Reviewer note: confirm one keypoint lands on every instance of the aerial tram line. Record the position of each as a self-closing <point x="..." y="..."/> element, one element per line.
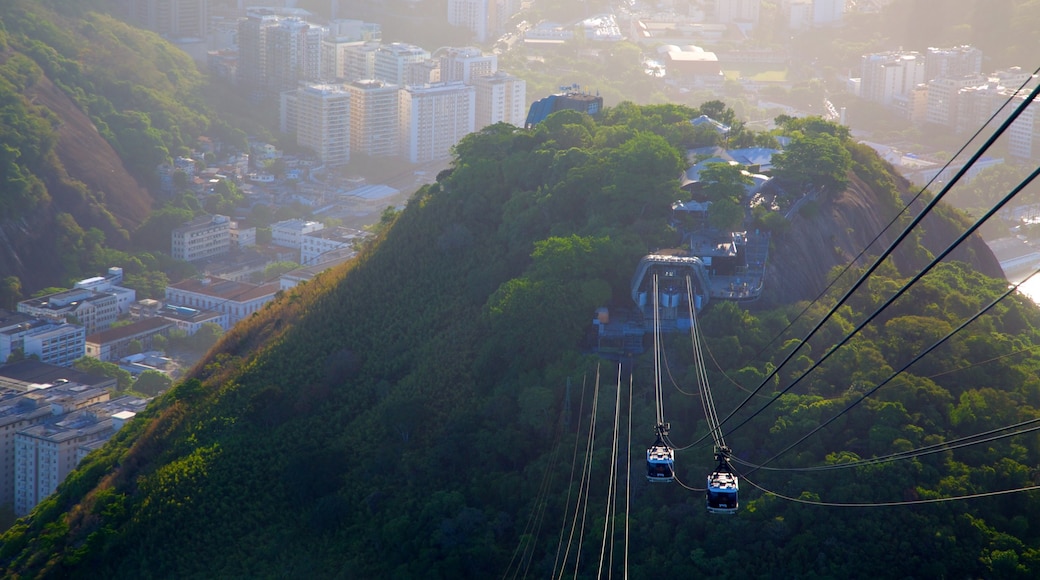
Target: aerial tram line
<point x="660" y="457"/>
<point x="905" y="288"/>
<point x="1012" y="117"/>
<point x="722" y="483"/>
<point x="1011" y="289"/>
<point x="891" y="503"/>
<point x="953" y="444"/>
<point x="895" y="219"/>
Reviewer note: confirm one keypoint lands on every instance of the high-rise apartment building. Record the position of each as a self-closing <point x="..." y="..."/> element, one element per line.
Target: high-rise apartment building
<point x="828" y="12"/>
<point x="251" y="72"/>
<point x="45" y="453"/>
<point x="942" y="97"/>
<point x="500" y="97"/>
<point x="391" y="61"/>
<point x="171" y="19"/>
<point x="323" y="122"/>
<point x="343" y="34"/>
<point x="464" y="64"/>
<point x="359" y="61"/>
<point x="434" y="118"/>
<point x="727" y="11"/>
<point x="374" y="118"/>
<point x="888" y="74"/>
<point x="956" y="62"/>
<point x="293" y="54"/>
<point x="484" y="18"/>
<point x="472" y="15"/>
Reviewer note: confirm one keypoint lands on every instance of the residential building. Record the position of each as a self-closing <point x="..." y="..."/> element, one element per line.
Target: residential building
<point x="343" y="34"/>
<point x="391" y="61"/>
<point x="54" y="343"/>
<point x="727" y="11"/>
<point x="171" y="19"/>
<point x="943" y="100"/>
<point x="956" y="62"/>
<point x="236" y="299"/>
<point x="242" y="237"/>
<point x="323" y="122"/>
<point x="293" y="54"/>
<point x="289" y="233"/>
<point x="316" y="246"/>
<point x="331" y="259"/>
<point x="115" y="343"/>
<point x="434" y="118"/>
<point x="45" y="453"/>
<point x="251" y="70"/>
<point x="828" y="12"/>
<point x="359" y="60"/>
<point x="23" y="410"/>
<point x="465" y="64"/>
<point x="202" y="238"/>
<point x="888" y="74"/>
<point x="110" y="284"/>
<point x="93" y="310"/>
<point x="374" y="117"/>
<point x="473" y="15"/>
<point x="190" y="320"/>
<point x="500" y="98"/>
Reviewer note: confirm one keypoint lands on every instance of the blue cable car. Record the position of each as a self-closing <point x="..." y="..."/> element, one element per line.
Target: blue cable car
<point x="660" y="459"/>
<point x="722" y="487"/>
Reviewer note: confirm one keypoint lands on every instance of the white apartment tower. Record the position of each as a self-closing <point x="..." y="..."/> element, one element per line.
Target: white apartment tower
<point x="943" y="97"/>
<point x="890" y="74"/>
<point x="359" y="60"/>
<point x="251" y="72"/>
<point x="500" y="97"/>
<point x="956" y="62"/>
<point x="293" y="54"/>
<point x="464" y="64"/>
<point x="434" y="118"/>
<point x="391" y="61"/>
<point x="323" y="122"/>
<point x="343" y="34"/>
<point x="204" y="237"/>
<point x="737" y="10"/>
<point x="374" y="117"/>
<point x="472" y="15"/>
<point x="828" y="12"/>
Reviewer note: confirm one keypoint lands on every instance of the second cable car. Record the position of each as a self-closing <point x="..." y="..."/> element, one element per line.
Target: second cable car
<point x="660" y="459"/>
<point x="723" y="487"/>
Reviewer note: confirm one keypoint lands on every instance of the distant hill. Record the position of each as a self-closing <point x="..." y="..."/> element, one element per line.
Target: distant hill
<point x="408" y="416"/>
<point x="91" y="106"/>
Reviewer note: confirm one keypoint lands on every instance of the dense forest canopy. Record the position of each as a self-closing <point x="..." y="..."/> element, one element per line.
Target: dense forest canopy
<point x="409" y="416"/>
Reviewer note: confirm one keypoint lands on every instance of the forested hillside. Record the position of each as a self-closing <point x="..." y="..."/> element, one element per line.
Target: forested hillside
<point x="89" y="106"/>
<point x="410" y="417"/>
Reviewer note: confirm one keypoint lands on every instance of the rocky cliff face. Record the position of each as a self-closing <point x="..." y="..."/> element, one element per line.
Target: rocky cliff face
<point x="801" y="259"/>
<point x="91" y="184"/>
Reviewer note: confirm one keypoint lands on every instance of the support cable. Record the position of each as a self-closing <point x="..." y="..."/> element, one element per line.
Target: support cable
<point x="895" y="219"/>
<point x="896" y="373"/>
<point x="902" y="236"/>
<point x="971" y="230"/>
<point x="570" y="484"/>
<point x="890" y="503"/>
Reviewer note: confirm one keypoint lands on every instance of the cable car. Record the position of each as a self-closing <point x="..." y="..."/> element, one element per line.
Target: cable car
<point x="722" y="487"/>
<point x="660" y="459"/>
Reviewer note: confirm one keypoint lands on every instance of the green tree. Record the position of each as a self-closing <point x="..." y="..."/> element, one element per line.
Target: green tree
<point x="10" y="292"/>
<point x="152" y="383"/>
<point x="106" y="369"/>
<point x="819" y="161"/>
